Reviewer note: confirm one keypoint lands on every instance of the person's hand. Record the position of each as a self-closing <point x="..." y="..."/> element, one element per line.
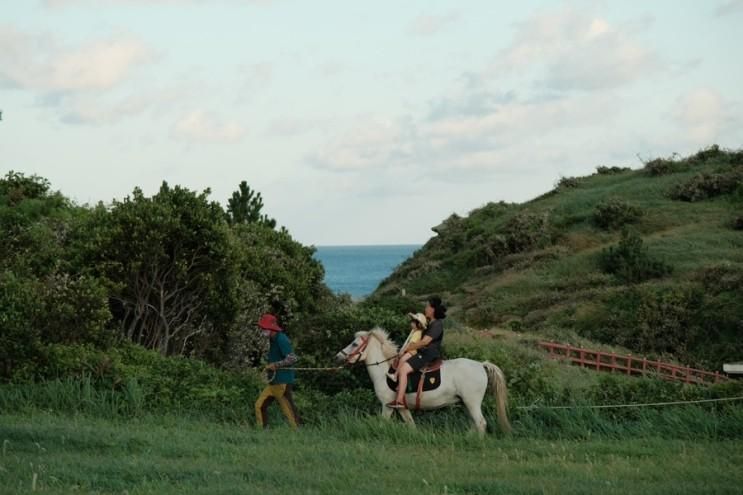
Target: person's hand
<point x="271" y="366"/>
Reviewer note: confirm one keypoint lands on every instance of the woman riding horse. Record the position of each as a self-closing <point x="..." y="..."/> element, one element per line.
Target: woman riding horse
<point x="428" y="347"/>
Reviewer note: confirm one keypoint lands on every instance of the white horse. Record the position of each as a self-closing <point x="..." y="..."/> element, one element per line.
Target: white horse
<point x="462" y="380"/>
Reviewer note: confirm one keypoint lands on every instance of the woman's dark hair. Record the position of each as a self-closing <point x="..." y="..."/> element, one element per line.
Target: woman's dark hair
<point x="439" y="310"/>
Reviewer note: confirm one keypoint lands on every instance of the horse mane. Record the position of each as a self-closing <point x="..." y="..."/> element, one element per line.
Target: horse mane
<point x="389" y="348"/>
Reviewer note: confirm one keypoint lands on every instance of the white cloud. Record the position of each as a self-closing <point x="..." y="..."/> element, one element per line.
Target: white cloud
<point x="369" y="145"/>
<point x="73" y="3"/>
<point x="96" y="110"/>
<point x="730" y="7"/>
<point x="475" y="140"/>
<point x="427" y="25"/>
<point x="576" y="51"/>
<point x="42" y="63"/>
<point x="703" y="114"/>
<point x="200" y="126"/>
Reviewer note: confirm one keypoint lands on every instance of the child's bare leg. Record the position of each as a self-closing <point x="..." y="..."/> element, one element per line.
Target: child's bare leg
<point x="403" y="360"/>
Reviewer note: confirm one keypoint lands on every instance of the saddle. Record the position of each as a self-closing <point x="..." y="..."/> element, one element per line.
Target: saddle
<point x="428" y="378"/>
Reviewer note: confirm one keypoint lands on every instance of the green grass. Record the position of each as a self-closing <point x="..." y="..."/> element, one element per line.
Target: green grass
<point x="162" y="455"/>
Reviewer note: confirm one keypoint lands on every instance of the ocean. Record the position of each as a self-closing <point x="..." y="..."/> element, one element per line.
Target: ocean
<point x="358" y="270"/>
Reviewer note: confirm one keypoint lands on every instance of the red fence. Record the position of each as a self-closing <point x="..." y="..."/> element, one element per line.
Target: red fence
<point x="630" y="365"/>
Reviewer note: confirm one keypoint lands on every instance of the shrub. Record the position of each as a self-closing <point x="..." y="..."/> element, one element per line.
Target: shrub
<point x="74" y="310"/>
<point x="665" y="166"/>
<point x="630" y="260"/>
<point x="603" y="170"/>
<point x="707" y="154"/>
<point x="568" y="183"/>
<point x="526" y="231"/>
<point x="19" y="336"/>
<point x="707" y="185"/>
<point x="614" y="213"/>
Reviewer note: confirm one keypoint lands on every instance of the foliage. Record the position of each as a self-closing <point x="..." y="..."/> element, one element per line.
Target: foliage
<point x="665" y="166"/>
<point x="568" y="182"/>
<point x="614" y="213"/>
<point x="630" y="261"/>
<point x="15" y="187"/>
<point x="19" y="336"/>
<point x="604" y="170"/>
<point x="245" y="206"/>
<point x="708" y="185"/>
<point x="168" y="261"/>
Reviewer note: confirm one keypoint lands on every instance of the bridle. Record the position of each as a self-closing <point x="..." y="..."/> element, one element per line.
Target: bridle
<point x="358" y="351"/>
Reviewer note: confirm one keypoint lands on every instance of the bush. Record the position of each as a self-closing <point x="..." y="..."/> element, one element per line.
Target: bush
<point x="526" y="231"/>
<point x="568" y="183"/>
<point x="630" y="260"/>
<point x="614" y="213"/>
<point x="707" y="185"/>
<point x="19" y="336"/>
<point x="602" y="170"/>
<point x="665" y="166"/>
<point x="74" y="310"/>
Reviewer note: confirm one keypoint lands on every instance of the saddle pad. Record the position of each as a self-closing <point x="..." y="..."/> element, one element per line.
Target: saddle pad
<point x="431" y="380"/>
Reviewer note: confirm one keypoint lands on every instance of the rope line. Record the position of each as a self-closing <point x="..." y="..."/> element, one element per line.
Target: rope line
<point x="647" y="404"/>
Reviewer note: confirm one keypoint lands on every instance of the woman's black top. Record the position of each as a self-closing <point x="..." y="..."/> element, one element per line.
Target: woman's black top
<point x="435" y="330"/>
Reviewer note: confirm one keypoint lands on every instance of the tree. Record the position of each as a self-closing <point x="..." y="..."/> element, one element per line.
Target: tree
<point x="245" y="207"/>
<point x="168" y="261"/>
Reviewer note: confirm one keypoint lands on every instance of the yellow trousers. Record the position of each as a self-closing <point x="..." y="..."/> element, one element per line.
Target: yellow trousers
<point x="281" y="393"/>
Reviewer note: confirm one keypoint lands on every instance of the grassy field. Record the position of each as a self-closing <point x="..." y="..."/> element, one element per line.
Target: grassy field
<point x="363" y="455"/>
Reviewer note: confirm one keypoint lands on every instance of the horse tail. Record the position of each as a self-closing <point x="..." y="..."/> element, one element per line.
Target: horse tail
<point x="497" y="381"/>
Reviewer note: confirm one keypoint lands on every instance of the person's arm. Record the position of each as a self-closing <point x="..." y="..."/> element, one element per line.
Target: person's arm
<point x="414" y="346"/>
<point x="289" y="357"/>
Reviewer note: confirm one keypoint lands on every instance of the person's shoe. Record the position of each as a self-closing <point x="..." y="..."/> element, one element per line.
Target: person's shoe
<point x="395" y="405"/>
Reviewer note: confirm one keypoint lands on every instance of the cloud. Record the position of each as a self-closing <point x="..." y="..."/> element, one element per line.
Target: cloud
<point x="729" y="8"/>
<point x="428" y="25"/>
<point x="94" y="109"/>
<point x="576" y="51"/>
<point x="704" y="115"/>
<point x="468" y="138"/>
<point x="42" y="63"/>
<point x="200" y="126"/>
<point x="73" y="3"/>
<point x="372" y="144"/>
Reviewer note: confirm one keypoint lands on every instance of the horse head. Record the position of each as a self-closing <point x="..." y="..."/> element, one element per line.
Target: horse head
<point x="357" y="350"/>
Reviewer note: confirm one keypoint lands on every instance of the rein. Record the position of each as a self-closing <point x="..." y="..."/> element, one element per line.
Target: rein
<point x="358" y="351"/>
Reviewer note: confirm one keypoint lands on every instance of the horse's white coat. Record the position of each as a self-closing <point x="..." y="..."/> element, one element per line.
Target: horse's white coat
<point x="462" y="380"/>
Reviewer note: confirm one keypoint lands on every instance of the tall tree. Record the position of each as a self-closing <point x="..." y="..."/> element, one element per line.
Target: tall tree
<point x="168" y="257"/>
<point x="245" y="207"/>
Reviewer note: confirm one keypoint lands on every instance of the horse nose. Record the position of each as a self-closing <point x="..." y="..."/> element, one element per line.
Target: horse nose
<point x="339" y="357"/>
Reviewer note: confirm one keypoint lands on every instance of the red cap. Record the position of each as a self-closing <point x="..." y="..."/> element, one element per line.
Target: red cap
<point x="269" y="322"/>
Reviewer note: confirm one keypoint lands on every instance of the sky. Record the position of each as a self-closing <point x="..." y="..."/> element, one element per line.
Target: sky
<point x="360" y="122"/>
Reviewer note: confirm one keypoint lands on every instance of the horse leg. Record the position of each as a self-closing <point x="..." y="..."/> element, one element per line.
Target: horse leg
<point x="474" y="407"/>
<point x="407" y="417"/>
<point x="387" y="412"/>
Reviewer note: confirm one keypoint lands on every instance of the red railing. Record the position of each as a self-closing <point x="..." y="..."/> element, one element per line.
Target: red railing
<point x="631" y="365"/>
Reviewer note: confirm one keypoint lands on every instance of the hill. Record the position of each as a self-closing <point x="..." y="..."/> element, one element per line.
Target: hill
<point x="649" y="259"/>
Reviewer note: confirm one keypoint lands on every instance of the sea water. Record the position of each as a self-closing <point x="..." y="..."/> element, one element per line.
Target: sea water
<point x="358" y="270"/>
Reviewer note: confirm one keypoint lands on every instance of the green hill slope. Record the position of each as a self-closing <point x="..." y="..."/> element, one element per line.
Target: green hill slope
<point x="648" y="259"/>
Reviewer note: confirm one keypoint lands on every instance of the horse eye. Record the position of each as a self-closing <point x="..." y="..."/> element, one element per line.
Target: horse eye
<point x="354" y="344"/>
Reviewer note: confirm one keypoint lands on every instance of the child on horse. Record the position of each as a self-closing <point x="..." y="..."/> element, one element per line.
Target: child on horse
<point x="429" y="345"/>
